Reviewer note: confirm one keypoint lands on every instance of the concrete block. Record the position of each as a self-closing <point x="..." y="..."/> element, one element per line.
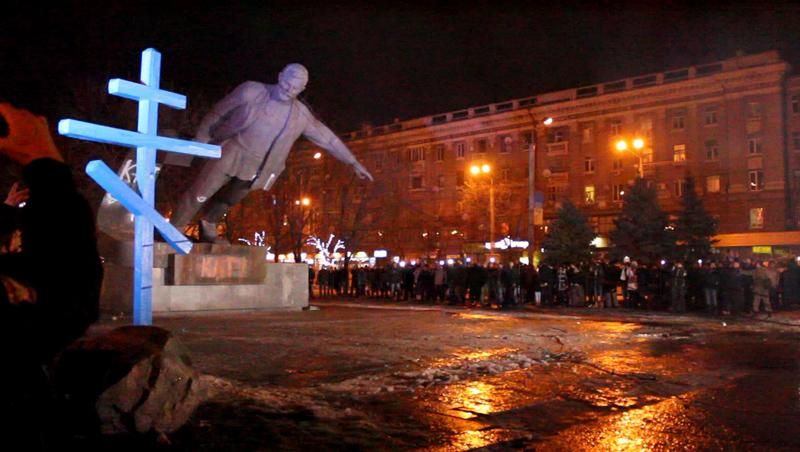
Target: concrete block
<point x="211" y="278"/>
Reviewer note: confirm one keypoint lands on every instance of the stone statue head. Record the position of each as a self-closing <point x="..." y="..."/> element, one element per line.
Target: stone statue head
<point x="292" y="81"/>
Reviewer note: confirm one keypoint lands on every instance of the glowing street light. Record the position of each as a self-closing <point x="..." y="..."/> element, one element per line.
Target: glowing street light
<point x="637" y="146"/>
<point x="487" y="169"/>
<point x="306" y="201"/>
<point x="317" y="155"/>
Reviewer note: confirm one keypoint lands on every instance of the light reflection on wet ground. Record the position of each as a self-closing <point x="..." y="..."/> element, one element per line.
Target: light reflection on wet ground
<point x="633" y="386"/>
<point x="460" y="356"/>
<point x="475" y="316"/>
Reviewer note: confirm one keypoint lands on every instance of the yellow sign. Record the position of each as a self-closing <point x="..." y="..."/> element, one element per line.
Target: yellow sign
<point x="762" y="249"/>
<point x="474" y="248"/>
<point x="538" y="216"/>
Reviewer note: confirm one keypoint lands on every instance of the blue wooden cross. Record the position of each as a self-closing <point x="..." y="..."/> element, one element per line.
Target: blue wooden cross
<point x="146" y="141"/>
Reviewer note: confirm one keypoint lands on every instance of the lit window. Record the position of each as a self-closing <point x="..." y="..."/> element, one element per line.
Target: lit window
<point x="754" y="145"/>
<point x="460" y="147"/>
<point x="712" y="150"/>
<point x="588" y="192"/>
<point x="757" y="218"/>
<point x="712" y="184"/>
<point x="588" y="165"/>
<point x="711" y="117"/>
<point x="679" y="153"/>
<point x="756" y="180"/>
<point x="677" y="122"/>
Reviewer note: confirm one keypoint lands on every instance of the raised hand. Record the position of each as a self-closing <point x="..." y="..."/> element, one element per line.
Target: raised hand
<point x="26" y="136"/>
<point x="16" y="196"/>
<point x="362" y="172"/>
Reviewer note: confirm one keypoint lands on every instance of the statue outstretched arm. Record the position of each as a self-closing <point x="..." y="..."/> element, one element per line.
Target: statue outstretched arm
<point x="319" y="134"/>
<point x="240" y="96"/>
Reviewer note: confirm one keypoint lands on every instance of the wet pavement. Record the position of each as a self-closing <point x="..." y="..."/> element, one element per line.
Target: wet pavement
<point x="360" y="378"/>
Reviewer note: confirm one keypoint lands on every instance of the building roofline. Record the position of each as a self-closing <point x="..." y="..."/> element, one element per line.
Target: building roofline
<point x="566" y="95"/>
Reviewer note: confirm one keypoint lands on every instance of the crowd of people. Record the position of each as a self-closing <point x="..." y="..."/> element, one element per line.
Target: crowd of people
<point x="722" y="287"/>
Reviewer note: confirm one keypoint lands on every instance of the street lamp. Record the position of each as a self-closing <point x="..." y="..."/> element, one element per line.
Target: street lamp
<point x="532" y="185"/>
<point x="636" y="146"/>
<point x="477" y="170"/>
<point x="304" y="202"/>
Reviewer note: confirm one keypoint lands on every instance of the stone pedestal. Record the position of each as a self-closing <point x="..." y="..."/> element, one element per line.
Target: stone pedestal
<point x="212" y="277"/>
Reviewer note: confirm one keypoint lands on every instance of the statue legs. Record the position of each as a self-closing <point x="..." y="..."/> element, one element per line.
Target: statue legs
<point x="233" y="192"/>
<point x="217" y="191"/>
<point x="207" y="183"/>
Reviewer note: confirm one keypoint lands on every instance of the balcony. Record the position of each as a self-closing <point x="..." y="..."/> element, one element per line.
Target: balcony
<point x="558" y="148"/>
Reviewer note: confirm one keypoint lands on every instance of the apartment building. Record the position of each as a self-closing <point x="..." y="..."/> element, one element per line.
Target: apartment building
<point x="734" y="125"/>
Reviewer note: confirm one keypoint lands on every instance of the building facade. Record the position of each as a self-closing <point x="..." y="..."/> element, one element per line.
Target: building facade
<point x="733" y="125"/>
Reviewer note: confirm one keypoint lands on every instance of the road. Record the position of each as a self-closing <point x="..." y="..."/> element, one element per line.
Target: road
<point x="345" y="377"/>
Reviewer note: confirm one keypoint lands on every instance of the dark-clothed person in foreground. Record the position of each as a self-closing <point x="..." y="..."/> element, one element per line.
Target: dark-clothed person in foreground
<point x="49" y="289"/>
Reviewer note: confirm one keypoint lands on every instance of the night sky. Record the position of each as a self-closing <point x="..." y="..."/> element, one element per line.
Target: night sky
<point x="376" y="62"/>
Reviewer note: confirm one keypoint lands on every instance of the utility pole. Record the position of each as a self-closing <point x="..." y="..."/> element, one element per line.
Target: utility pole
<point x="531" y="195"/>
<point x="532" y="184"/>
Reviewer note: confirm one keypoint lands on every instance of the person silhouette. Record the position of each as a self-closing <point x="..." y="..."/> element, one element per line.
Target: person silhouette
<point x="50" y="288"/>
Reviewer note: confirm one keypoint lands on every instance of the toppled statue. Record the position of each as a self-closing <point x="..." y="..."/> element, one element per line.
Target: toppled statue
<point x="256" y="124"/>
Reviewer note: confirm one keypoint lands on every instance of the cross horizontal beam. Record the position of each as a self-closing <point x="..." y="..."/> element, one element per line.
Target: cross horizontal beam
<point x="120" y="137"/>
<point x="136" y="91"/>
